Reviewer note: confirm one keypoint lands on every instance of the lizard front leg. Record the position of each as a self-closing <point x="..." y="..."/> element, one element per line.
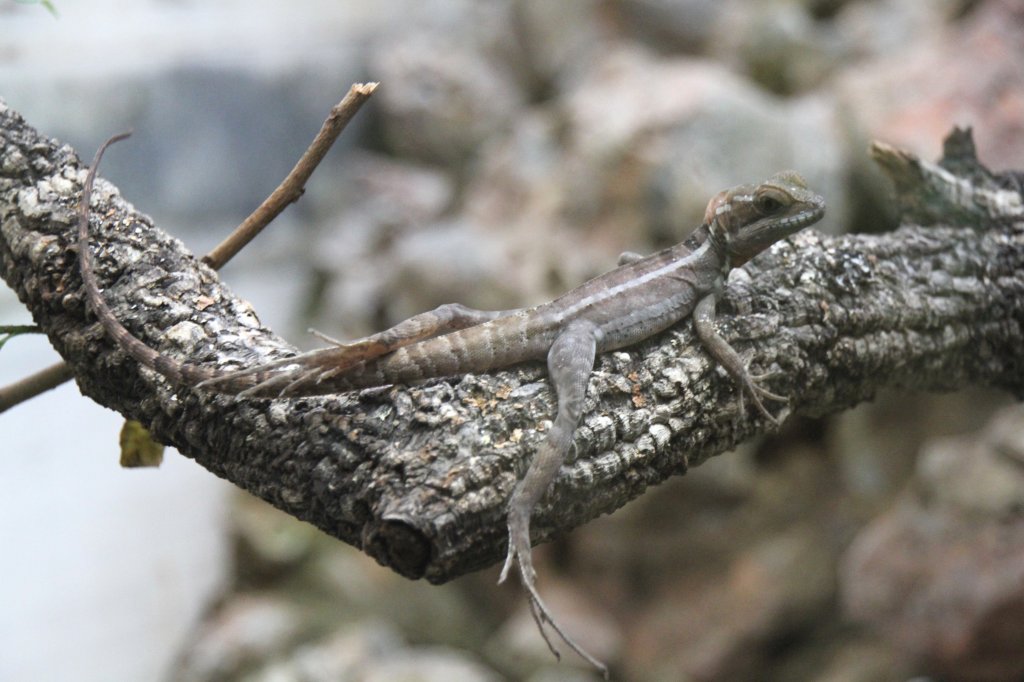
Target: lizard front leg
<point x="728" y="358"/>
<point x="570" y="362"/>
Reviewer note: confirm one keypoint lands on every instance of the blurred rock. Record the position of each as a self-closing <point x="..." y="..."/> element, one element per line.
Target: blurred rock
<point x="720" y="627"/>
<point x="882" y="28"/>
<point x="703" y="522"/>
<point x="372" y="652"/>
<point x="693" y="605"/>
<point x="422" y="664"/>
<point x="334" y="616"/>
<point x="673" y="25"/>
<point x="343" y="655"/>
<point x="942" y="573"/>
<point x="970" y="74"/>
<point x="378" y="203"/>
<point x="840" y="656"/>
<point x="876" y="443"/>
<point x="217" y="123"/>
<point x="350" y="586"/>
<point x="561" y="673"/>
<point x="518" y="190"/>
<point x="650" y="140"/>
<point x="247" y="630"/>
<point x="779" y="44"/>
<point x="697" y="522"/>
<point x="971" y="477"/>
<point x="556" y="40"/>
<point x="442" y="262"/>
<point x="1004" y="436"/>
<point x="457" y="261"/>
<point x="443" y="92"/>
<point x="268" y="544"/>
<point x="398" y="193"/>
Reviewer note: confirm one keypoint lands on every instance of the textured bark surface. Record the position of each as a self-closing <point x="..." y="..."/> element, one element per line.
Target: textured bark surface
<point x="418" y="476"/>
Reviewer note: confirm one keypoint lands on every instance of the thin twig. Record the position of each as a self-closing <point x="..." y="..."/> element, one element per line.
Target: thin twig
<point x="290" y="189"/>
<point x="15" y="329"/>
<point x="9" y="331"/>
<point x="31" y="386"/>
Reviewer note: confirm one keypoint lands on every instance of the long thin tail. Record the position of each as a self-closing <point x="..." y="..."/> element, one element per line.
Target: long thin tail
<point x="268" y="380"/>
<point x="175" y="371"/>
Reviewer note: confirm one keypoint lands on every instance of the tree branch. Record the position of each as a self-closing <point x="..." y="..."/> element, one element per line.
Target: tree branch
<point x="418" y="477"/>
<point x="37" y="383"/>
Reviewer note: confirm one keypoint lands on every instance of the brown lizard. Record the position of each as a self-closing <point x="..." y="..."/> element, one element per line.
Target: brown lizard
<point x="642" y="297"/>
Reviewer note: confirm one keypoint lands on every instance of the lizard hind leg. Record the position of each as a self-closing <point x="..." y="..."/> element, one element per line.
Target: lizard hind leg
<point x="312" y="371"/>
<point x="445" y="318"/>
<point x="570" y="362"/>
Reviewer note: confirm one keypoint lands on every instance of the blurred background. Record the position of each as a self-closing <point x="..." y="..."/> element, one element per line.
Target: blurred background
<point x="513" y="149"/>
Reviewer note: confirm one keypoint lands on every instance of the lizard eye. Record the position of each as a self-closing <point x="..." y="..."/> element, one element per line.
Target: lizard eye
<point x="768" y="204"/>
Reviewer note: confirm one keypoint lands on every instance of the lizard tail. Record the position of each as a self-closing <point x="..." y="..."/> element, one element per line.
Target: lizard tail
<point x="111" y="325"/>
<point x="175" y="371"/>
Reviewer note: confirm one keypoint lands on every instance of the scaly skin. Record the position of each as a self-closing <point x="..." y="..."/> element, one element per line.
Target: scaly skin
<point x="642" y="297"/>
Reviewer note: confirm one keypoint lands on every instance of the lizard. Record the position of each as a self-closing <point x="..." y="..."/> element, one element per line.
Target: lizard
<point x="642" y="297"/>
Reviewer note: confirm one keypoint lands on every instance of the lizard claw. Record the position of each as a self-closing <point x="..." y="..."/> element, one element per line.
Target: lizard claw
<point x="510" y="559"/>
<point x="520" y="551"/>
<point x="749" y="385"/>
<point x="775" y="421"/>
<point x="325" y="338"/>
<point x="351" y="353"/>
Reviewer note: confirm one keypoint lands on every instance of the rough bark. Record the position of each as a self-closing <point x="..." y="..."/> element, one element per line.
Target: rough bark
<point x="418" y="476"/>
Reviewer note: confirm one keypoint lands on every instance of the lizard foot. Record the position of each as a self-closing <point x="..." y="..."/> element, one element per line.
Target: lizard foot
<point x="520" y="551"/>
<point x="283" y="377"/>
<point x="749" y="385"/>
<point x="324" y="337"/>
<point x="351" y="353"/>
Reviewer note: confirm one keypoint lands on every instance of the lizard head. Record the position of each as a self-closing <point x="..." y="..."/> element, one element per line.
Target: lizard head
<point x="745" y="220"/>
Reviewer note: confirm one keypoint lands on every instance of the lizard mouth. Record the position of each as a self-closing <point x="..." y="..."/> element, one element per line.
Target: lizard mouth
<point x="770" y="230"/>
<point x="773" y="229"/>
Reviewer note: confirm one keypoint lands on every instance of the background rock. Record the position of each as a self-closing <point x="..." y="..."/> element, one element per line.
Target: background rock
<point x="942" y="572"/>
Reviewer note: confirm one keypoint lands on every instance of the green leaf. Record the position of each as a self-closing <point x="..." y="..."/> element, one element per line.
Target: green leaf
<point x="138" y="449"/>
<point x="47" y="4"/>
